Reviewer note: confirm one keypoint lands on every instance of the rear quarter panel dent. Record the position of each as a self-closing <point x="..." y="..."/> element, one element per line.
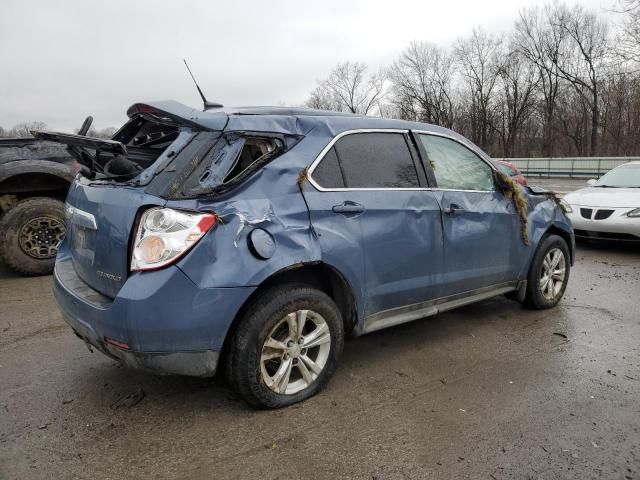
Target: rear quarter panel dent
<point x="223" y="259"/>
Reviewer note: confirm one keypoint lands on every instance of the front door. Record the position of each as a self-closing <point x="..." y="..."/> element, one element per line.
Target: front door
<point x="480" y="225"/>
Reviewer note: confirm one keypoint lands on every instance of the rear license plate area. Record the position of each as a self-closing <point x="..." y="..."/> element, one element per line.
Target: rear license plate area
<point x="83" y="240"/>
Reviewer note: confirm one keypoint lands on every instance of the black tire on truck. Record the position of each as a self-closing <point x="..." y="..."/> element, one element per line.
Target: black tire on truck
<point x="30" y="233"/>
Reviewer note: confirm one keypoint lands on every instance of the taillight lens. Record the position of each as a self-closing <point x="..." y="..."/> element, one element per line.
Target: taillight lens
<point x="164" y="235"/>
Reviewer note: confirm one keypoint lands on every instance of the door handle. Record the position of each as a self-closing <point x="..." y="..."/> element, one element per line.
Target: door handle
<point x="452" y="209"/>
<point x="348" y="208"/>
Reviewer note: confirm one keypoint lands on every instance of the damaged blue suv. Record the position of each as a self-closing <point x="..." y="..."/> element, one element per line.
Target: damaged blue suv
<point x="253" y="240"/>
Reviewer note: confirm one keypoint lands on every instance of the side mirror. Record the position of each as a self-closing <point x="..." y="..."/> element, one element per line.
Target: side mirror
<point x="591" y="182"/>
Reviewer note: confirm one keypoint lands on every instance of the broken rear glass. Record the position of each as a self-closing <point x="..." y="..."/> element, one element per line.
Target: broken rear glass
<point x="225" y="163"/>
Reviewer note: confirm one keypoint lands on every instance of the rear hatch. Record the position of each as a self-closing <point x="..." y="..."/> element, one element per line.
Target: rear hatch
<point x="159" y="155"/>
<point x="104" y="202"/>
<point x="100" y="221"/>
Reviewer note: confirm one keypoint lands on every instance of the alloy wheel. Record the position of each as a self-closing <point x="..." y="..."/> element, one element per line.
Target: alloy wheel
<point x="295" y="352"/>
<point x="552" y="274"/>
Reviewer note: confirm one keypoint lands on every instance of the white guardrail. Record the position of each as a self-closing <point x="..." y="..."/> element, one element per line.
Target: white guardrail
<point x="578" y="167"/>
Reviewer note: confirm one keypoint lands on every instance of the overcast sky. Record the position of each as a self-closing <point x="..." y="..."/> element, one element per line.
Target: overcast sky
<point x="63" y="60"/>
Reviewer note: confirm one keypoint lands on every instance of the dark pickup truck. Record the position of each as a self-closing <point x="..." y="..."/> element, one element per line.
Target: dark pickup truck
<point x="34" y="178"/>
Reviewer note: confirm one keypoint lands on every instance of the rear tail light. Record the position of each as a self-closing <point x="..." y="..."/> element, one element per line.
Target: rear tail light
<point x="164" y="235"/>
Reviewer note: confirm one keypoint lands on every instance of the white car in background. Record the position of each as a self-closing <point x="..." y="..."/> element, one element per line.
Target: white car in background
<point x="609" y="208"/>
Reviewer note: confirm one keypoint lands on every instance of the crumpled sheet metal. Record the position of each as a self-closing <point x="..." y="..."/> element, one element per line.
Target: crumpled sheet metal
<point x="271" y="200"/>
<point x="543" y="213"/>
<point x="249" y="214"/>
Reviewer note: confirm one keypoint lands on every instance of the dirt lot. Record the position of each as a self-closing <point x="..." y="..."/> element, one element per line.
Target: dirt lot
<point x="486" y="391"/>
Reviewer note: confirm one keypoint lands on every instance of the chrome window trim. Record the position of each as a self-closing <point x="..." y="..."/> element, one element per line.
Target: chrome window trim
<point x="330" y="145"/>
<point x="333" y="141"/>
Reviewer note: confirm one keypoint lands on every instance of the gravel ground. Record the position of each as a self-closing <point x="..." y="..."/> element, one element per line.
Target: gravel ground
<point x="486" y="391"/>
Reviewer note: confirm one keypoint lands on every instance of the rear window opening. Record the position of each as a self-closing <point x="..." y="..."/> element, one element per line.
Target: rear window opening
<point x="215" y="162"/>
<point x="233" y="158"/>
<point x="253" y="150"/>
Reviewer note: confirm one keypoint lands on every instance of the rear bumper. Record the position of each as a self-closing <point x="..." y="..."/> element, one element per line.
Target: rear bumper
<point x="195" y="364"/>
<point x="168" y="324"/>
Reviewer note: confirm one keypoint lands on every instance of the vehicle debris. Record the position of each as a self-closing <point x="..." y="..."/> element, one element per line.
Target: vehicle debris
<point x="130" y="400"/>
<point x="514" y="191"/>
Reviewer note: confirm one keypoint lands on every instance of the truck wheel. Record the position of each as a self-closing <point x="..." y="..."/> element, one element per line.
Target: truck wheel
<point x="286" y="346"/>
<point x="548" y="274"/>
<point x="30" y="233"/>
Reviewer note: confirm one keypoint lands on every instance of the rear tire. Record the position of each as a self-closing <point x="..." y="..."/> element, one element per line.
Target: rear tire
<point x="29" y="234"/>
<point x="548" y="273"/>
<point x="269" y="363"/>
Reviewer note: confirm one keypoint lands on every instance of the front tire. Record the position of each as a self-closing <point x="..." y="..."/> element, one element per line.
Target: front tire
<point x="548" y="274"/>
<point x="30" y="233"/>
<point x="286" y="346"/>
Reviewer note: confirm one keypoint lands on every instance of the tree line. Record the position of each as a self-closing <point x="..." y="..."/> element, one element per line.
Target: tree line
<point x="563" y="81"/>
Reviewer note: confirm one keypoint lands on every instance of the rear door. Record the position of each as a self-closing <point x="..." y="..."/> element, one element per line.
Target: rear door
<point x="480" y="225"/>
<point x="378" y="191"/>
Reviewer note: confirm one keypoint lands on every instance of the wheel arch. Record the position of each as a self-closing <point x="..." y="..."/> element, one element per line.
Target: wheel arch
<point x="565" y="235"/>
<point x="318" y="275"/>
<point x="27" y="178"/>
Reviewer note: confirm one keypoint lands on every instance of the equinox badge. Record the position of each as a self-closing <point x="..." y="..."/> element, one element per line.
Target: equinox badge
<point x="110" y="276"/>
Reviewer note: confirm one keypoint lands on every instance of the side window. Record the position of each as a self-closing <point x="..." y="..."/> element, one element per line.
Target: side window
<point x="327" y="174"/>
<point x="455" y="166"/>
<point x="376" y="160"/>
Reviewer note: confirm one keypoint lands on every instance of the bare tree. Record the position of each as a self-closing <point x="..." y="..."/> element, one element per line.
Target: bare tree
<point x="103" y="133"/>
<point x="24" y="129"/>
<point x="539" y="39"/>
<point x="321" y="98"/>
<point x="348" y="88"/>
<point x="479" y="58"/>
<point x="583" y="60"/>
<point x="573" y="119"/>
<point x="516" y="99"/>
<point x="629" y="38"/>
<point x="620" y="114"/>
<point x="560" y="87"/>
<point x="422" y="83"/>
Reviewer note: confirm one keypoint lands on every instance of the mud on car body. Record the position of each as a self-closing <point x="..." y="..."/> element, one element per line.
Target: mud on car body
<point x="253" y="240"/>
